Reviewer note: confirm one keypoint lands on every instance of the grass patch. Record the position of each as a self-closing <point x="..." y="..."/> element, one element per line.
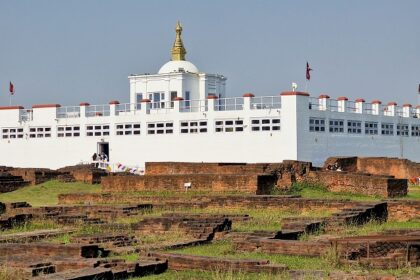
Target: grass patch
<point x="319" y="191"/>
<point x="226" y="249"/>
<point x="413" y="192"/>
<point x="32" y="225"/>
<point x="378" y="227"/>
<point x="47" y="193"/>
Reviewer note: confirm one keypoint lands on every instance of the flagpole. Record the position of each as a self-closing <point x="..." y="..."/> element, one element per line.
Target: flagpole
<point x="10" y="99"/>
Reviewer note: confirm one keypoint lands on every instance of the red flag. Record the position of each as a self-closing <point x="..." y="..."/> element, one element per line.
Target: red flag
<point x="308" y="71"/>
<point x="11" y="88"/>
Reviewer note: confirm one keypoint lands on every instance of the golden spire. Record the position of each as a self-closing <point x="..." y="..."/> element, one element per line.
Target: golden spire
<point x="178" y="50"/>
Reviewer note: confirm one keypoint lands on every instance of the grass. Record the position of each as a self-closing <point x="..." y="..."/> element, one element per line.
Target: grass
<point x="226" y="249"/>
<point x="378" y="227"/>
<point x="47" y="193"/>
<point x="318" y="191"/>
<point x="36" y="224"/>
<point x="413" y="192"/>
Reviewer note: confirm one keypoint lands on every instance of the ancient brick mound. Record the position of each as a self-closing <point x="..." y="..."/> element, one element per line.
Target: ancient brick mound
<point x="84" y="173"/>
<point x="398" y="168"/>
<point x="9" y="182"/>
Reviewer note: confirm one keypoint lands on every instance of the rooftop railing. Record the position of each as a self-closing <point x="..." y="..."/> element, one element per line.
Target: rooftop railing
<point x="98" y="111"/>
<point x="68" y="112"/>
<point x="193" y="106"/>
<point x="229" y="104"/>
<point x="265" y="102"/>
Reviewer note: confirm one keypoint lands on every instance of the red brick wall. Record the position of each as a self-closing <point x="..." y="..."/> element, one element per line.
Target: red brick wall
<point x="399" y="168"/>
<point x="165" y="168"/>
<point x="403" y="210"/>
<point x="201" y="182"/>
<point x="337" y="181"/>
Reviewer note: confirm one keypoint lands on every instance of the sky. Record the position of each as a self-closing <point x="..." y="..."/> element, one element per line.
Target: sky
<point x="69" y="52"/>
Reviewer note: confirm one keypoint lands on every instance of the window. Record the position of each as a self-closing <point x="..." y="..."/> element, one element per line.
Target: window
<point x="12" y="133"/>
<point x="265" y="124"/>
<point x="199" y="126"/>
<point x="173" y="96"/>
<point x="415" y="130"/>
<point x="97" y="130"/>
<point x="403" y="130"/>
<point x="68" y="131"/>
<point x="160" y="128"/>
<point x="127" y="129"/>
<point x="336" y="126"/>
<point x="317" y="125"/>
<point x="187" y="99"/>
<point x="39" y="132"/>
<point x="387" y="129"/>
<point x="371" y="128"/>
<point x="233" y="125"/>
<point x="354" y="127"/>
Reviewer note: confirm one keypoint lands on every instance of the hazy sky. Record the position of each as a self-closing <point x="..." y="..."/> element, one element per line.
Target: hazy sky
<point x="83" y="50"/>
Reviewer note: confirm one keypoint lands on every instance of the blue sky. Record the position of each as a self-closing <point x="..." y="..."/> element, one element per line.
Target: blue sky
<point x="83" y="50"/>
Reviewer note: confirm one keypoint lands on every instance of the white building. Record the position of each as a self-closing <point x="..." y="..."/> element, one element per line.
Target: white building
<point x="181" y="114"/>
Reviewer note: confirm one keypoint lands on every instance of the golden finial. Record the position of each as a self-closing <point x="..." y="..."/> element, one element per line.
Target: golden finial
<point x="178" y="50"/>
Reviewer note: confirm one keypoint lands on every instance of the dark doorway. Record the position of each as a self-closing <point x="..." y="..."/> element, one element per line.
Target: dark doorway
<point x="103" y="148"/>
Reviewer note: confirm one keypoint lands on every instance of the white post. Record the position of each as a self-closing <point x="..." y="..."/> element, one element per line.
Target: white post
<point x="390" y="109"/>
<point x="418" y="111"/>
<point x="376" y="104"/>
<point x="113" y="107"/>
<point x="295" y="114"/>
<point x="212" y="99"/>
<point x="247" y="100"/>
<point x="83" y="106"/>
<point x="360" y="104"/>
<point x="177" y="104"/>
<point x="342" y="103"/>
<point x="323" y="102"/>
<point x="407" y="110"/>
<point x="145" y="107"/>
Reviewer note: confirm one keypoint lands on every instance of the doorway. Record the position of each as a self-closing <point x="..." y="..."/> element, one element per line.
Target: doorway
<point x="103" y="147"/>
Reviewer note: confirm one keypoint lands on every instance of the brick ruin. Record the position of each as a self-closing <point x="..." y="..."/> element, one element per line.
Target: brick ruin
<point x="252" y="178"/>
<point x="99" y="254"/>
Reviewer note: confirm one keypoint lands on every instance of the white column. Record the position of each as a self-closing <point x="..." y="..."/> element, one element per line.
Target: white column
<point x="145" y="106"/>
<point x="247" y="100"/>
<point x="391" y="109"/>
<point x="342" y="103"/>
<point x="323" y="102"/>
<point x="418" y="111"/>
<point x="177" y="104"/>
<point x="83" y="106"/>
<point x="113" y="107"/>
<point x="295" y="115"/>
<point x="407" y="110"/>
<point x="211" y="99"/>
<point x="376" y="105"/>
<point x="360" y="105"/>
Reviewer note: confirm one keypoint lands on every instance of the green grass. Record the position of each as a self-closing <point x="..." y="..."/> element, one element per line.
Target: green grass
<point x="377" y="227"/>
<point x="413" y="192"/>
<point x="47" y="193"/>
<point x="318" y="191"/>
<point x="226" y="249"/>
<point x="32" y="225"/>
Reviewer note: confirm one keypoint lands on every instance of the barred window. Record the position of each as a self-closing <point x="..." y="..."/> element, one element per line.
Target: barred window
<point x="271" y="124"/>
<point x="415" y="130"/>
<point x="336" y="126"/>
<point x="232" y="125"/>
<point x="199" y="126"/>
<point x="160" y="128"/>
<point x="387" y="129"/>
<point x="403" y="130"/>
<point x="39" y="132"/>
<point x="354" y="127"/>
<point x="97" y="130"/>
<point x="12" y="133"/>
<point x="317" y="125"/>
<point x="371" y="128"/>
<point x="127" y="129"/>
<point x="68" y="131"/>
